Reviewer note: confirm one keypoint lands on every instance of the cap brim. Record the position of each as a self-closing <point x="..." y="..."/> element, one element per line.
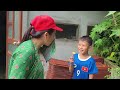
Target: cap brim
<point x="57" y="28"/>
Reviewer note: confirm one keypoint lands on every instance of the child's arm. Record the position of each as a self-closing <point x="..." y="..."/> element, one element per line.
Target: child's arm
<point x="93" y="70"/>
<point x="71" y="68"/>
<point x="91" y="76"/>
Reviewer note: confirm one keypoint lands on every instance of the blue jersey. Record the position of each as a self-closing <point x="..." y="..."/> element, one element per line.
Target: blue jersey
<point x="82" y="69"/>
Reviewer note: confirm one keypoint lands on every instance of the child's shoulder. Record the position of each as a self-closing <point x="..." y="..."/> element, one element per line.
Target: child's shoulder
<point x="92" y="59"/>
<point x="76" y="54"/>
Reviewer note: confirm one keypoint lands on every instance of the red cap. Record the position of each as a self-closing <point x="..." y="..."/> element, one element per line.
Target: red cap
<point x="44" y="22"/>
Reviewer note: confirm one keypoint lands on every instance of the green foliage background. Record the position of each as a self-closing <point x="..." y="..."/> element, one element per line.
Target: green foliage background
<point x="106" y="37"/>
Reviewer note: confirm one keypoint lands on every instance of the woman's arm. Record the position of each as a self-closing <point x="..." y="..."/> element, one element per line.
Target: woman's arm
<point x="20" y="65"/>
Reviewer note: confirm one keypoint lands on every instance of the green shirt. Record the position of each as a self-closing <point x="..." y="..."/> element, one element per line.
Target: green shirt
<point x="25" y="63"/>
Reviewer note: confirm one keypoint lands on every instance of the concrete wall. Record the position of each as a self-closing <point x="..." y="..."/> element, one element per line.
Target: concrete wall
<point x="25" y="22"/>
<point x="82" y="18"/>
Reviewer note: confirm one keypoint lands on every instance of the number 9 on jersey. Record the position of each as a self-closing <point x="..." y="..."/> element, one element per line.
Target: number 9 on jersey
<point x="78" y="72"/>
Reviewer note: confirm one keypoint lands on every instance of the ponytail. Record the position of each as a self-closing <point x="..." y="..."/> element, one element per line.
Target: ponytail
<point x="34" y="34"/>
<point x="27" y="34"/>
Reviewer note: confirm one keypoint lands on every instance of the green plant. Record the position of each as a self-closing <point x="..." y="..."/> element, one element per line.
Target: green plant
<point x="106" y="37"/>
<point x="114" y="73"/>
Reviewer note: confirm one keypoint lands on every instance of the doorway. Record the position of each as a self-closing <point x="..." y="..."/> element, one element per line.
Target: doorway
<point x="13" y="33"/>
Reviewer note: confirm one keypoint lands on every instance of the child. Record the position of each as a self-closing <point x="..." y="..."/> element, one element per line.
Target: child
<point x="82" y="65"/>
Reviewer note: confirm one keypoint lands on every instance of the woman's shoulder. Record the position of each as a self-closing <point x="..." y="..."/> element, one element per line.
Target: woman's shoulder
<point x="26" y="43"/>
<point x="25" y="47"/>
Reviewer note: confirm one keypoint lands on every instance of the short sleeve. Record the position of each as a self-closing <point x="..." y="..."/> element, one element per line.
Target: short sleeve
<point x="21" y="64"/>
<point x="93" y="68"/>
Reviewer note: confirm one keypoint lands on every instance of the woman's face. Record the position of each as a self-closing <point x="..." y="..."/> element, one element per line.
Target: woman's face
<point x="49" y="38"/>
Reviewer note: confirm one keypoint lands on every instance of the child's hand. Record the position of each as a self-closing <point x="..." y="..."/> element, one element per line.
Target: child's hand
<point x="71" y="60"/>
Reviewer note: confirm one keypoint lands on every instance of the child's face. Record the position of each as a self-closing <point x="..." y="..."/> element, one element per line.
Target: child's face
<point x="83" y="47"/>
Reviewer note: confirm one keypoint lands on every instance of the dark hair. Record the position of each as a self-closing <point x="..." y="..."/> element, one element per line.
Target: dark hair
<point x="31" y="33"/>
<point x="87" y="39"/>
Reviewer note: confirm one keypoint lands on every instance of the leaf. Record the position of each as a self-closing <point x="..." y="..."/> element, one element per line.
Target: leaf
<point x="117" y="14"/>
<point x="116" y="47"/>
<point x="98" y="43"/>
<point x="110" y="13"/>
<point x="111" y="58"/>
<point x="105" y="52"/>
<point x="103" y="26"/>
<point x="112" y="54"/>
<point x="115" y="32"/>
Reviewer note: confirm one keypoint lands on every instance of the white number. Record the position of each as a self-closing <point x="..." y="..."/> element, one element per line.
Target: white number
<point x="78" y="72"/>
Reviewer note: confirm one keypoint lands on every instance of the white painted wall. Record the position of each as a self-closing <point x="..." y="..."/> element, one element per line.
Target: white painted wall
<point x="82" y="18"/>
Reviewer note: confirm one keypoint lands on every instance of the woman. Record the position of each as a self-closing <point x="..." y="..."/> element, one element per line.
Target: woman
<point x="39" y="38"/>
